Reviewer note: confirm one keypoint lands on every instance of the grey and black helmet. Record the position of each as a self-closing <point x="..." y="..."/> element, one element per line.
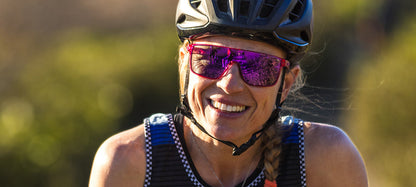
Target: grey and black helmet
<point x="283" y="23"/>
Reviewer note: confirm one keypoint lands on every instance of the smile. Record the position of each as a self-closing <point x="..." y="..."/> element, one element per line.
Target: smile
<point x="227" y="108"/>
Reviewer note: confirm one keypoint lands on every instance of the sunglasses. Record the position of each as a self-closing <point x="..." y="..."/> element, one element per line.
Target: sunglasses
<point x="256" y="69"/>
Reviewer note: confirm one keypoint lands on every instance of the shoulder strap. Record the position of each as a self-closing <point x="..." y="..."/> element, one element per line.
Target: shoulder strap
<point x="159" y="129"/>
<point x="292" y="165"/>
<point x="164" y="154"/>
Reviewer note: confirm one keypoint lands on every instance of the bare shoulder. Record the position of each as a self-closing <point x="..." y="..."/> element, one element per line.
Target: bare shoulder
<point x="331" y="157"/>
<point x="121" y="160"/>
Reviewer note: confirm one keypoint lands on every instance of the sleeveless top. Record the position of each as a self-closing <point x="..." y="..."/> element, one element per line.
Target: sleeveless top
<point x="168" y="162"/>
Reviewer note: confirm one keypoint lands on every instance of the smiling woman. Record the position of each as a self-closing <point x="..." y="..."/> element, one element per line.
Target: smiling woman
<point x="239" y="82"/>
<point x="238" y="61"/>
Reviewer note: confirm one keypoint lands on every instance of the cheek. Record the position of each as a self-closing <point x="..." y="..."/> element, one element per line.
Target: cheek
<point x="197" y="86"/>
<point x="268" y="95"/>
<point x="265" y="100"/>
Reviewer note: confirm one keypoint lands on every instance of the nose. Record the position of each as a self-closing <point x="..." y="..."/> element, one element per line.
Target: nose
<point x="231" y="81"/>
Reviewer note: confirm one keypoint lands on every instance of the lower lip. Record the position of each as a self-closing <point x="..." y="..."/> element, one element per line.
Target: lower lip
<point x="222" y="113"/>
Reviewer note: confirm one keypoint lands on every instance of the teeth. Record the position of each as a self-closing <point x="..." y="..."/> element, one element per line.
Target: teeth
<point x="227" y="108"/>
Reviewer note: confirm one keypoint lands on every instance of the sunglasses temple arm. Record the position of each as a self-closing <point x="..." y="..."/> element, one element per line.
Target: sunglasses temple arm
<point x="279" y="102"/>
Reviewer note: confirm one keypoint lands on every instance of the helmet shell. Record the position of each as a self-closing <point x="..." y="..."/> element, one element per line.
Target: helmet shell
<point x="284" y="23"/>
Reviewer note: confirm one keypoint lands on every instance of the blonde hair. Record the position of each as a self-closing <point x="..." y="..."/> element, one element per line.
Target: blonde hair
<point x="271" y="143"/>
<point x="182" y="67"/>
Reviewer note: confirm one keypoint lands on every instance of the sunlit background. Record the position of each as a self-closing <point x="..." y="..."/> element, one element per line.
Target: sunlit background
<point x="74" y="72"/>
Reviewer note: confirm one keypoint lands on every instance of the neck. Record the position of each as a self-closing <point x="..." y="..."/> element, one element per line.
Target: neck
<point x="214" y="161"/>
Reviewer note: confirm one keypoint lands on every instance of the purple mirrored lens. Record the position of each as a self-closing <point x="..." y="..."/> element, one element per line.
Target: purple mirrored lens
<point x="209" y="61"/>
<point x="257" y="69"/>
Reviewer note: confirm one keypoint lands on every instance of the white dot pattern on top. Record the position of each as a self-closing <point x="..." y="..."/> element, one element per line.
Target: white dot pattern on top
<point x="148" y="154"/>
<point x="287" y="120"/>
<point x="186" y="164"/>
<point x="302" y="154"/>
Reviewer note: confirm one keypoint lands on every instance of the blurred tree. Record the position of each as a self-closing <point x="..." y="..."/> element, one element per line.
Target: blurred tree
<point x="334" y="46"/>
<point x="384" y="107"/>
<point x="74" y="72"/>
<point x="72" y="95"/>
<point x="71" y="72"/>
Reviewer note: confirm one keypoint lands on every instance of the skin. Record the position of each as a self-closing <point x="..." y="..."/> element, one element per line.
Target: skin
<point x="232" y="90"/>
<point x="331" y="157"/>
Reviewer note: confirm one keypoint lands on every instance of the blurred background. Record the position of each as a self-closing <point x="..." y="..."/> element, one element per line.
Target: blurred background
<point x="74" y="72"/>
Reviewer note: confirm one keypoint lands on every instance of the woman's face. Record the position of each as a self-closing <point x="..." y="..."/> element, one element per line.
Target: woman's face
<point x="227" y="107"/>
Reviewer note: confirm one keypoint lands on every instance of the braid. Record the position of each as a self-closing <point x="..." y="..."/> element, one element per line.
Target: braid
<point x="272" y="137"/>
<point x="271" y="142"/>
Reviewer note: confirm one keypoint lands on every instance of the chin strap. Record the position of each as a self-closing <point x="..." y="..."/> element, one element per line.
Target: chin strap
<point x="184" y="109"/>
<point x="237" y="150"/>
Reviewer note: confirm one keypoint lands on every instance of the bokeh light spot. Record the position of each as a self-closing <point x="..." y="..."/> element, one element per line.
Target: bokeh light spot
<point x="115" y="100"/>
<point x="16" y="114"/>
<point x="43" y="150"/>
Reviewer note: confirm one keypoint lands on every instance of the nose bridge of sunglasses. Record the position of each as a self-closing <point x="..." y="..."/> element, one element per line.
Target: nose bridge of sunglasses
<point x="233" y="68"/>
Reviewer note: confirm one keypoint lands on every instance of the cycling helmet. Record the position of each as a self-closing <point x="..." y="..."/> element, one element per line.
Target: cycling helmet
<point x="283" y="23"/>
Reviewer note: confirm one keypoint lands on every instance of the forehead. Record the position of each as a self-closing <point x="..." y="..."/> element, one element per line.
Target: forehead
<point x="240" y="43"/>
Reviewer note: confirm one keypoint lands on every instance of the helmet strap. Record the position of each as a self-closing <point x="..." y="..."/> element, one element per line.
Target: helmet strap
<point x="185" y="110"/>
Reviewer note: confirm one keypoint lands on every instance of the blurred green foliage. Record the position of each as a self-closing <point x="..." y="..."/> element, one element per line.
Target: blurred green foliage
<point x="74" y="73"/>
<point x="384" y="110"/>
<point x="71" y="95"/>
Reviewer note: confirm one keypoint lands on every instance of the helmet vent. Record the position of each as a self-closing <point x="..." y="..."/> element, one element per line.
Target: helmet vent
<point x="304" y="36"/>
<point x="195" y="3"/>
<point x="223" y="5"/>
<point x="244" y="6"/>
<point x="296" y="13"/>
<point x="267" y="8"/>
<point x="181" y="19"/>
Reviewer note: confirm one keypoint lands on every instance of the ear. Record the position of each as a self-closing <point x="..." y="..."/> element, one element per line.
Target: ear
<point x="290" y="78"/>
<point x="182" y="53"/>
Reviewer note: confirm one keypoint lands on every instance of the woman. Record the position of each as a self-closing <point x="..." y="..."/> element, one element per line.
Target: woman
<point x="237" y="64"/>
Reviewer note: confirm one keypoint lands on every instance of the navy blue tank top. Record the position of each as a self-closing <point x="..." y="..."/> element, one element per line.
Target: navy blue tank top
<point x="168" y="162"/>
